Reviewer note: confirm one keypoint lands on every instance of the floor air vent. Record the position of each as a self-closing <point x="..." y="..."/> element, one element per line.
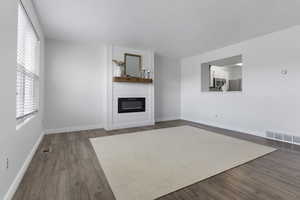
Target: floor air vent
<point x="283" y="137"/>
<point x="46" y="150"/>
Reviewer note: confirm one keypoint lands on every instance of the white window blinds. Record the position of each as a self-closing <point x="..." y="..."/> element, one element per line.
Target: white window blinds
<point x="27" y="86"/>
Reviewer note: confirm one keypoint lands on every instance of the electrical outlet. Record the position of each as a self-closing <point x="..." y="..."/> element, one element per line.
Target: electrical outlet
<point x="284" y="71"/>
<point x="7" y="164"/>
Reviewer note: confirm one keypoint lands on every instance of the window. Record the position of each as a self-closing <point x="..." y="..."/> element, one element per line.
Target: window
<point x="27" y="83"/>
<point x="222" y="75"/>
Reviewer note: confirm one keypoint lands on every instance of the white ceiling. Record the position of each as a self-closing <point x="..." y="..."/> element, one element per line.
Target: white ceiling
<point x="175" y="28"/>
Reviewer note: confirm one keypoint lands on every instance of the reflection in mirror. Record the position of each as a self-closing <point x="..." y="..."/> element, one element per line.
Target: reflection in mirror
<point x="133" y="65"/>
<point x="222" y="75"/>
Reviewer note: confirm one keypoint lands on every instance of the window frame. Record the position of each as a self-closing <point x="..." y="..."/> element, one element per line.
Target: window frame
<point x="36" y="75"/>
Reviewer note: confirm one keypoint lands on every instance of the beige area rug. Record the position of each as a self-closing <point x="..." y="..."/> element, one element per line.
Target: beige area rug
<point x="149" y="164"/>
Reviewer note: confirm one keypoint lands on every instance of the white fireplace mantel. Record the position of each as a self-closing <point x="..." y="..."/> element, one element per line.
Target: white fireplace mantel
<point x="115" y="120"/>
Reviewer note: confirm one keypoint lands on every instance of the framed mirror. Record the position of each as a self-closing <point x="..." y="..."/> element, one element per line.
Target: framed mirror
<point x="133" y="65"/>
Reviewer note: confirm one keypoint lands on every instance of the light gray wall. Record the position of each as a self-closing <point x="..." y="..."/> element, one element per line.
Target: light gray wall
<point x="269" y="100"/>
<point x="75" y="86"/>
<point x="15" y="144"/>
<point x="167" y="88"/>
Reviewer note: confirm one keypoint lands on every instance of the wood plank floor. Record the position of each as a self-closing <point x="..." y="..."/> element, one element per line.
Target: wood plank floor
<point x="71" y="171"/>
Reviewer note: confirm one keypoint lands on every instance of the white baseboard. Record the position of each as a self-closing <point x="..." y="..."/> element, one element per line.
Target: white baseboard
<point x="73" y="129"/>
<point x="132" y="125"/>
<point x="217" y="125"/>
<point x="249" y="132"/>
<point x="163" y="119"/>
<point x="16" y="182"/>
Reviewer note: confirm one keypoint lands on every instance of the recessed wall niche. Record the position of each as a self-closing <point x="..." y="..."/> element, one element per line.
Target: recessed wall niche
<point x="223" y="75"/>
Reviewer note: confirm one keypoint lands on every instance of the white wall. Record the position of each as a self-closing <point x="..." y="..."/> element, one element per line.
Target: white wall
<point x="167" y="88"/>
<point x="15" y="144"/>
<point x="75" y="86"/>
<point x="269" y="101"/>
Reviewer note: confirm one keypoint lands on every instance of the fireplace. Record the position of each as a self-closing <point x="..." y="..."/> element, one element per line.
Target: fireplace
<point x="129" y="105"/>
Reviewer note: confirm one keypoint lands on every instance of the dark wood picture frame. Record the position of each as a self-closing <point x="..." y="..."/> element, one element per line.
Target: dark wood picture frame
<point x="133" y="55"/>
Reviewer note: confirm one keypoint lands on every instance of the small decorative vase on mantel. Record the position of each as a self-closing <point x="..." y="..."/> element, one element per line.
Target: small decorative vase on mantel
<point x="146" y="73"/>
<point x="118" y="68"/>
<point x="118" y="71"/>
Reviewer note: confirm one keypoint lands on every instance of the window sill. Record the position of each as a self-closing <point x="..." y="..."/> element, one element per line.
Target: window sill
<point x="22" y="122"/>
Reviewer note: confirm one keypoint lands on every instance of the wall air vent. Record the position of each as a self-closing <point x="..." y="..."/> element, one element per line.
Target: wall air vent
<point x="270" y="134"/>
<point x="288" y="138"/>
<point x="296" y="139"/>
<point x="283" y="137"/>
<point x="278" y="136"/>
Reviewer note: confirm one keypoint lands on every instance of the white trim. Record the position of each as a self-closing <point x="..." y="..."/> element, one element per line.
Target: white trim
<point x="216" y="125"/>
<point x="151" y="88"/>
<point x="163" y="119"/>
<point x="15" y="184"/>
<point x="109" y="89"/>
<point x="132" y="125"/>
<point x="249" y="132"/>
<point x="73" y="129"/>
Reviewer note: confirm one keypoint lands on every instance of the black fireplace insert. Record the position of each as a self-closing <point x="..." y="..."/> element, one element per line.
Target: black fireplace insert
<point x="129" y="105"/>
